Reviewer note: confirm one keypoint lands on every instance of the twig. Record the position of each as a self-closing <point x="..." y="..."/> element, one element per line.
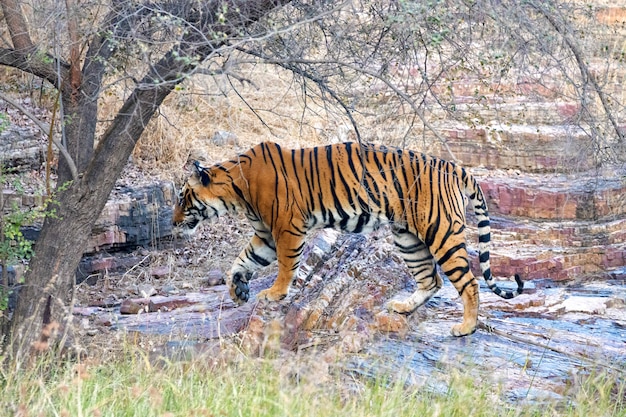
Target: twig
<point x="50" y="136"/>
<point x="45" y="128"/>
<point x="585" y="72"/>
<point x="290" y="65"/>
<point x="243" y="80"/>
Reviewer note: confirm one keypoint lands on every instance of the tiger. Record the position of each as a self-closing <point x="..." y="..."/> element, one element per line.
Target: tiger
<point x="356" y="187"/>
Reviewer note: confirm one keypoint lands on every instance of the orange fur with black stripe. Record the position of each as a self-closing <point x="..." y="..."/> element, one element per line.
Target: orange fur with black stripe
<point x="285" y="193"/>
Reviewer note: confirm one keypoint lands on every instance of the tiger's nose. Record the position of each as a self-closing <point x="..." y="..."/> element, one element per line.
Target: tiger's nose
<point x="178" y="216"/>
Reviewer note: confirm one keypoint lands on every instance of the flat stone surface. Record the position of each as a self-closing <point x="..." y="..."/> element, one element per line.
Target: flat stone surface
<point x="580" y="304"/>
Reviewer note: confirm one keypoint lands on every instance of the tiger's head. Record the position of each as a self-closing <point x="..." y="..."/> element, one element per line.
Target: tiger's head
<point x="207" y="194"/>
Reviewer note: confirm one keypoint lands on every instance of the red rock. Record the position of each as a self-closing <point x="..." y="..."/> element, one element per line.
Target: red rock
<point x="521" y="302"/>
<point x="161" y="303"/>
<point x="612" y="15"/>
<point x="130" y="306"/>
<point x="106" y="303"/>
<point x="103" y="264"/>
<point x="390" y="323"/>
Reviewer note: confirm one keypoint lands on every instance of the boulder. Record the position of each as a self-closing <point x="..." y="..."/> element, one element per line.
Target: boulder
<point x="137" y="216"/>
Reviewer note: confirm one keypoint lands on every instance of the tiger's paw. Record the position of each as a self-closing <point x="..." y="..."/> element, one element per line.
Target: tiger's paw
<point x="402" y="307"/>
<point x="271" y="295"/>
<point x="238" y="287"/>
<point x="463" y="329"/>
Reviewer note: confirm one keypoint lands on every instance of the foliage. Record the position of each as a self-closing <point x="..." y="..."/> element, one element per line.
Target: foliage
<point x="262" y="387"/>
<point x="14" y="247"/>
<point x="4" y="122"/>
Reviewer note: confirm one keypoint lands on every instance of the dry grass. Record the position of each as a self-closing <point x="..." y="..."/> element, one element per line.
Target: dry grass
<point x="191" y="116"/>
<point x="135" y="384"/>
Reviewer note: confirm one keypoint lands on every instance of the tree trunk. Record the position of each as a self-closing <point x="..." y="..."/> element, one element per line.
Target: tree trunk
<point x="45" y="302"/>
<point x="47" y="295"/>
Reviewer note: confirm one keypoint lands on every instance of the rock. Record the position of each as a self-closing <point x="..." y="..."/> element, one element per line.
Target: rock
<point x="84" y="323"/>
<point x="134" y="217"/>
<point x="390" y="322"/>
<point x="160" y="303"/>
<point x="160" y="271"/>
<point x="614" y="14"/>
<point x="337" y="309"/>
<point x="616" y="302"/>
<point x="222" y="137"/>
<point x="170" y="289"/>
<point x="353" y="341"/>
<point x="146" y="290"/>
<point x="21" y="149"/>
<point x="255" y="335"/>
<point x="526" y="147"/>
<point x="343" y="292"/>
<point x="543" y="197"/>
<point x="105" y="320"/>
<point x="108" y="302"/>
<point x="590" y="305"/>
<point x="92" y="266"/>
<point x="85" y="311"/>
<point x="132" y="307"/>
<point x="215" y="277"/>
<point x="521" y="302"/>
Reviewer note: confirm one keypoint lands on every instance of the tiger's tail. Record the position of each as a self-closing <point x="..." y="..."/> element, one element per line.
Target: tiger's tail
<point x="477" y="199"/>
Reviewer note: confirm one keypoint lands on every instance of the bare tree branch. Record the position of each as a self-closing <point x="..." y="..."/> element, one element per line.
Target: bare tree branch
<point x="17" y="26"/>
<point x="72" y="28"/>
<point x="43" y="66"/>
<point x="587" y="75"/>
<point x="322" y="85"/>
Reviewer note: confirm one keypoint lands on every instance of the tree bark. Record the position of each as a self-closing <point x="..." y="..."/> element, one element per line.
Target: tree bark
<point x="45" y="301"/>
<point x="17" y="25"/>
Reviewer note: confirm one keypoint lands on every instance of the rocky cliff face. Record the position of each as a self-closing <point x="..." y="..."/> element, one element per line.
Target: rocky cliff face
<point x="134" y="216"/>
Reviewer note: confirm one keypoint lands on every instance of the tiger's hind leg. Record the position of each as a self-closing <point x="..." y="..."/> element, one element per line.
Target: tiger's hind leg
<point x="422" y="266"/>
<point x="453" y="259"/>
<point x="260" y="252"/>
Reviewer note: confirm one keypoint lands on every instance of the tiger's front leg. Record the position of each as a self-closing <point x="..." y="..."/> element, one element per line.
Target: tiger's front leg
<point x="289" y="248"/>
<point x="260" y="252"/>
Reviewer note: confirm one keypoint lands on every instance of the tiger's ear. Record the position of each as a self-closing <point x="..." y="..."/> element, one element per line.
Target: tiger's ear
<point x="202" y="173"/>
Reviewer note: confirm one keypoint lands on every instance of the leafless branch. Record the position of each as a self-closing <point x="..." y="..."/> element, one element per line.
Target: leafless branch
<point x="243" y="80"/>
<point x="587" y="75"/>
<point x="17" y="26"/>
